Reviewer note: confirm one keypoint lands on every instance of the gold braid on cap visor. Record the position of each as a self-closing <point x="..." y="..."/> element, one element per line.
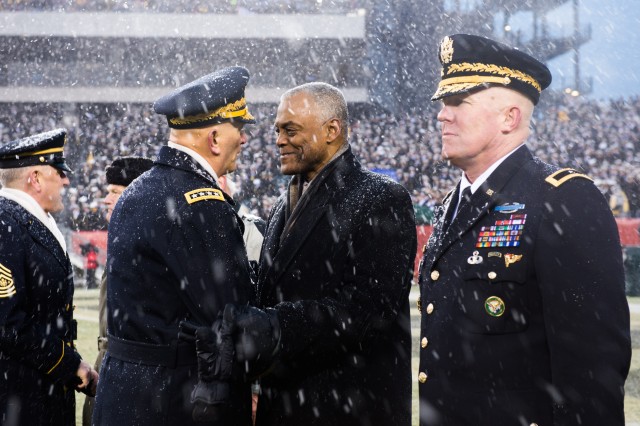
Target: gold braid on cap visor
<point x="44" y="151"/>
<point x="504" y="73"/>
<point x="236" y="109"/>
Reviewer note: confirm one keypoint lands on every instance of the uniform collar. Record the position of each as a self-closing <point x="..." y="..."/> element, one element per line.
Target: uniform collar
<point x="197" y="158"/>
<point x="31" y="205"/>
<point x="464" y="182"/>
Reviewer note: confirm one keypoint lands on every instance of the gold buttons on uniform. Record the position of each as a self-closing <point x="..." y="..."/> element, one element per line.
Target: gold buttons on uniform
<point x="422" y="377"/>
<point x="435" y="275"/>
<point x="424" y="342"/>
<point x="492" y="275"/>
<point x="533" y="424"/>
<point x="430" y="308"/>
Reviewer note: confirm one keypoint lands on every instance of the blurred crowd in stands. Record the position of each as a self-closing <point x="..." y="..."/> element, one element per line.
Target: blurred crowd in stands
<point x="597" y="137"/>
<point x="187" y="6"/>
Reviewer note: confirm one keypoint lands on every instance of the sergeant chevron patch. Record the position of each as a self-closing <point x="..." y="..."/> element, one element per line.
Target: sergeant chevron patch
<point x="203" y="194"/>
<point x="7" y="289"/>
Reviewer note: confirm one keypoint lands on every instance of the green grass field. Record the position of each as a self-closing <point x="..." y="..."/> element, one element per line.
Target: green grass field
<point x="86" y="313"/>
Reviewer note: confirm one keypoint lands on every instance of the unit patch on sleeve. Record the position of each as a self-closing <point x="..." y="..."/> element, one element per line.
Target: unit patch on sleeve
<point x="203" y="194"/>
<point x="7" y="288"/>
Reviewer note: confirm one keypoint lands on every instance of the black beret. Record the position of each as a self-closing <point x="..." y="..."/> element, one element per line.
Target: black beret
<point x="124" y="170"/>
<point x="470" y="62"/>
<point x="214" y="98"/>
<point x="41" y="149"/>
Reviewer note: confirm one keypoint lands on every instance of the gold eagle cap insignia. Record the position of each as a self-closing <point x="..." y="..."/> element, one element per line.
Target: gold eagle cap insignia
<point x="446" y="50"/>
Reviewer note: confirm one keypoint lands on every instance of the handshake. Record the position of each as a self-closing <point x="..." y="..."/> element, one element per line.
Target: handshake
<point x="245" y="335"/>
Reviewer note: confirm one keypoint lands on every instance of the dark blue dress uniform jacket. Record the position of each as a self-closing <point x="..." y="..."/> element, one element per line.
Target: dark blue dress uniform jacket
<point x="339" y="277"/>
<point x="534" y="333"/>
<point x="175" y="251"/>
<point x="37" y="357"/>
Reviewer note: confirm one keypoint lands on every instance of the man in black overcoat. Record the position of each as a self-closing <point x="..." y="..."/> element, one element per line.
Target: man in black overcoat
<point x="175" y="252"/>
<point x="524" y="319"/>
<point x="332" y="331"/>
<point x="40" y="368"/>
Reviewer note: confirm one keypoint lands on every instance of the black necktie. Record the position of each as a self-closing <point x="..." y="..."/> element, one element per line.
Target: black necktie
<point x="462" y="204"/>
<point x="465" y="201"/>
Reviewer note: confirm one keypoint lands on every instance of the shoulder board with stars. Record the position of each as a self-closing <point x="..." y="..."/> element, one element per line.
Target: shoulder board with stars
<point x="203" y="194"/>
<point x="561" y="176"/>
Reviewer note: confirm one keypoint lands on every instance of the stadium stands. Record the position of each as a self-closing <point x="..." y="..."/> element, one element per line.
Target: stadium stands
<point x="608" y="149"/>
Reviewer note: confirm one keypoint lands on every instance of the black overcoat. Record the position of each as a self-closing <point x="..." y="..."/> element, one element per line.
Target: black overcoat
<point x="175" y="251"/>
<point x="338" y="273"/>
<point x="37" y="356"/>
<point x="523" y="312"/>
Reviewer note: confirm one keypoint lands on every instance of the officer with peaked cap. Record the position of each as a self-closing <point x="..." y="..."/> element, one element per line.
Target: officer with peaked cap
<point x="175" y="252"/>
<point x="524" y="319"/>
<point x="39" y="365"/>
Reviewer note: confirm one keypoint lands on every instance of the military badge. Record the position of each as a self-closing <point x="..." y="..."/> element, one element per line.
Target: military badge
<point x="7" y="288"/>
<point x="203" y="194"/>
<point x="474" y="259"/>
<point x="494" y="306"/>
<point x="446" y="50"/>
<point x="509" y="208"/>
<point x="510" y="258"/>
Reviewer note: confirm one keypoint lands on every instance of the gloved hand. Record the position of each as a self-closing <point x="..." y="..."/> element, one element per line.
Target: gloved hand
<point x="256" y="335"/>
<point x="214" y="348"/>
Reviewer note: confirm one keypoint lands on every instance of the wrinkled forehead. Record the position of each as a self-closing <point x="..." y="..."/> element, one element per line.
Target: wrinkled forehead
<point x="300" y="103"/>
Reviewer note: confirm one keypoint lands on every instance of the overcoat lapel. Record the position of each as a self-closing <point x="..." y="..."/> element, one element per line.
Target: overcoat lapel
<point x="40" y="233"/>
<point x="483" y="200"/>
<point x="281" y="249"/>
<point x="47" y="240"/>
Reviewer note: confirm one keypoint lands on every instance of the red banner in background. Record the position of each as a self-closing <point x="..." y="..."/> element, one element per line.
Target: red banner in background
<point x="97" y="238"/>
<point x="629" y="231"/>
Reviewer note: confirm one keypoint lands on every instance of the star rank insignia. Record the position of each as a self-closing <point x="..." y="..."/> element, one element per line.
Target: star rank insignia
<point x="203" y="194"/>
<point x="7" y="288"/>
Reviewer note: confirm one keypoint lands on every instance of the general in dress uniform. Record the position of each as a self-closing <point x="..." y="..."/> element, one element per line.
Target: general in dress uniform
<point x="524" y="319"/>
<point x="39" y="365"/>
<point x="175" y="252"/>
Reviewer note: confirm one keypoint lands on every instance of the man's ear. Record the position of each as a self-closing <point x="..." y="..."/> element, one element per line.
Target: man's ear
<point x="334" y="129"/>
<point x="512" y="118"/>
<point x="214" y="146"/>
<point x="34" y="180"/>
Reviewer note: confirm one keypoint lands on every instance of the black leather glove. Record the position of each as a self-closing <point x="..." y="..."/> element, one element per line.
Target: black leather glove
<point x="256" y="334"/>
<point x="214" y="348"/>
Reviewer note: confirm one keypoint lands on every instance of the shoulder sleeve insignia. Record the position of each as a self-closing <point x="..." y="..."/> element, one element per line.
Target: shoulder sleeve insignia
<point x="203" y="194"/>
<point x="7" y="288"/>
<point x="561" y="176"/>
